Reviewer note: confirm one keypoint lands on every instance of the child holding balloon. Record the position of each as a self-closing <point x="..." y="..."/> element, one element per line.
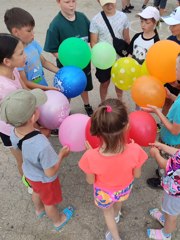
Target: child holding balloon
<point x="69" y="23"/>
<point x="107" y="167"/>
<point x="40" y="161"/>
<point x="171" y="186"/>
<point x="170" y="130"/>
<point x="20" y="23"/>
<point x="100" y="33"/>
<point x="141" y="42"/>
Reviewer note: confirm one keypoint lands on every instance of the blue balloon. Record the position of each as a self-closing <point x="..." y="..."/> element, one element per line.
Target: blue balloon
<point x="71" y="81"/>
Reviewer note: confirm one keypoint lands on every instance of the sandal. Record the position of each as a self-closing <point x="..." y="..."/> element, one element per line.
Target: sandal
<point x="41" y="215"/>
<point x="69" y="211"/>
<point x="158" y="215"/>
<point x="157" y="234"/>
<point x="118" y="217"/>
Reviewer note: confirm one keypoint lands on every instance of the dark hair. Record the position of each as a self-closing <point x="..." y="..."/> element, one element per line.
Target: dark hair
<point x="18" y="18"/>
<point x="154" y="21"/>
<point x="108" y="122"/>
<point x="8" y="44"/>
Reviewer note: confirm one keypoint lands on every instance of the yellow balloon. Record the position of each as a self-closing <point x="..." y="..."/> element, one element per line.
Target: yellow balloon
<point x="144" y="71"/>
<point x="124" y="72"/>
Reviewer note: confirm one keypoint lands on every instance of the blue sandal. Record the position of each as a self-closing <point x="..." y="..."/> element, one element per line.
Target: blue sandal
<point x="41" y="215"/>
<point x="69" y="211"/>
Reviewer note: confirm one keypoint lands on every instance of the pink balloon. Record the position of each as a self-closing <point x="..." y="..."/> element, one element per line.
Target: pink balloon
<point x="72" y="132"/>
<point x="55" y="110"/>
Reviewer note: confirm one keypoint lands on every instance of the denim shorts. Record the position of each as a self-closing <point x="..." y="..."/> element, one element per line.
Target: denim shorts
<point x="106" y="198"/>
<point x="171" y="204"/>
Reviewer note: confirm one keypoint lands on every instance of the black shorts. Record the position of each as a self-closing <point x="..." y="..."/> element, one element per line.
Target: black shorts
<point x="87" y="71"/>
<point x="172" y="89"/>
<point x="5" y="139"/>
<point x="103" y="75"/>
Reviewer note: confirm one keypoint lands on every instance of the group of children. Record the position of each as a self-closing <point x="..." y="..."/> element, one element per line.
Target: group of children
<point x="112" y="167"/>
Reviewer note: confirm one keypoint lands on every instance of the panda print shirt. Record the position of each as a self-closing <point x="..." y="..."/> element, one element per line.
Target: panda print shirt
<point x="139" y="46"/>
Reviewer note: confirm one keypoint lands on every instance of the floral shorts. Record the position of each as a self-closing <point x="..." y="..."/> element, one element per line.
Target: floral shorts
<point x="105" y="198"/>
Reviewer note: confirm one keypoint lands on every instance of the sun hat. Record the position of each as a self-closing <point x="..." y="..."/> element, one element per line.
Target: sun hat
<point x="173" y="18"/>
<point x="150" y="12"/>
<point x="103" y="2"/>
<point x="18" y="107"/>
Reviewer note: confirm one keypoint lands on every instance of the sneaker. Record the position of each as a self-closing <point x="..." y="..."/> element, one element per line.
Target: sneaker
<point x="130" y="7"/>
<point x="157" y="215"/>
<point x="88" y="109"/>
<point x="55" y="132"/>
<point x="126" y="10"/>
<point x="143" y="6"/>
<point x="158" y="234"/>
<point x="154" y="183"/>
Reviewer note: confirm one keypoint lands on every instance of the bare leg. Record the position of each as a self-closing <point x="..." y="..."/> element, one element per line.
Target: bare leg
<point x="119" y="93"/>
<point x="110" y="222"/>
<point x="39" y="206"/>
<point x="53" y="213"/>
<point x="146" y="2"/>
<point x="85" y="97"/>
<point x="124" y="3"/>
<point x="19" y="160"/>
<point x="103" y="90"/>
<point x="170" y="223"/>
<point x="117" y="207"/>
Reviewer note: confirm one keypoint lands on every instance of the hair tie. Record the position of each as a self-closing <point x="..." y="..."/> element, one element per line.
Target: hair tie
<point x="108" y="108"/>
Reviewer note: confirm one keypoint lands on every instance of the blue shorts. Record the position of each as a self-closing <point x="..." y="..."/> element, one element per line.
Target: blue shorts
<point x="106" y="198"/>
<point x="171" y="204"/>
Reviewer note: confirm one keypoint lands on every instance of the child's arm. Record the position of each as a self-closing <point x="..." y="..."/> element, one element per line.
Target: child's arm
<point x="50" y="172"/>
<point x="32" y="85"/>
<point x="126" y="35"/>
<point x="137" y="172"/>
<point x="90" y="178"/>
<point x="93" y="39"/>
<point x="160" y="160"/>
<point x="174" y="128"/>
<point x="48" y="65"/>
<point x="164" y="147"/>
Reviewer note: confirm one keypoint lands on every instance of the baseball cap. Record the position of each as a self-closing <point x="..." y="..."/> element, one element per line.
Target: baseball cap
<point x="173" y="18"/>
<point x="103" y="2"/>
<point x="18" y="107"/>
<point x="150" y="12"/>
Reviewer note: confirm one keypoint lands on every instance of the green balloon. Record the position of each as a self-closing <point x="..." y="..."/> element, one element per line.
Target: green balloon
<point x="103" y="55"/>
<point x="74" y="52"/>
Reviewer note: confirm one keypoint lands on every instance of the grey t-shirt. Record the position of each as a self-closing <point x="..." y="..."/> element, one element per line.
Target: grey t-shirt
<point x="38" y="154"/>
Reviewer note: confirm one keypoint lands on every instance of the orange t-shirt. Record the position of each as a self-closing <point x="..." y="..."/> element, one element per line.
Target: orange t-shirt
<point x="113" y="172"/>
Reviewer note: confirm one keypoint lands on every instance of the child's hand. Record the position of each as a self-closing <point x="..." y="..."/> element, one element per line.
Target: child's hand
<point x="54" y="88"/>
<point x="154" y="151"/>
<point x="150" y="109"/>
<point x="168" y="93"/>
<point x="64" y="152"/>
<point x="88" y="146"/>
<point x="156" y="144"/>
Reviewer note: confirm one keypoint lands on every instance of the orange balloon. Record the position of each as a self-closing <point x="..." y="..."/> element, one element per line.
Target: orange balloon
<point x="161" y="60"/>
<point x="148" y="90"/>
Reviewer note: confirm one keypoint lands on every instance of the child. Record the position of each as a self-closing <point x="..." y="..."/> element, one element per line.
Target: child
<point x="40" y="161"/>
<point x="99" y="33"/>
<point x="171" y="186"/>
<point x="69" y="23"/>
<point x="170" y="130"/>
<point x="113" y="166"/>
<point x="11" y="56"/>
<point x="141" y="42"/>
<point x="20" y="23"/>
<point x="174" y="25"/>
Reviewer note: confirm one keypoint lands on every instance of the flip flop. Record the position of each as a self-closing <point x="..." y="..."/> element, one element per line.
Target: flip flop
<point x="41" y="215"/>
<point x="69" y="211"/>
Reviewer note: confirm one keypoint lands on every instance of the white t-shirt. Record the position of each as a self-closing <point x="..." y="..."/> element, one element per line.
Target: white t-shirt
<point x="118" y="22"/>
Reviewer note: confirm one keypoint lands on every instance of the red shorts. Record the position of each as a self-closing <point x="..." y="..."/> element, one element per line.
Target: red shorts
<point x="50" y="193"/>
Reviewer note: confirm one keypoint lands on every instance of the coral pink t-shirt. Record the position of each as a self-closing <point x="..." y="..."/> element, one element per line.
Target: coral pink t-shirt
<point x="113" y="172"/>
<point x="7" y="86"/>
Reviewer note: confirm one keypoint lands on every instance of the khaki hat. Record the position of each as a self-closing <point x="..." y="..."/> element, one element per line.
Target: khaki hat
<point x="18" y="107"/>
<point x="103" y="2"/>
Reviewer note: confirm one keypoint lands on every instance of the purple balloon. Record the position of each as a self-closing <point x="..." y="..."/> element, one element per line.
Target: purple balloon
<point x="72" y="132"/>
<point x="55" y="110"/>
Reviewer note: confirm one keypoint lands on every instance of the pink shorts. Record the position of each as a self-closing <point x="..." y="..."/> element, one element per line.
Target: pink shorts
<point x="105" y="198"/>
<point x="50" y="193"/>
